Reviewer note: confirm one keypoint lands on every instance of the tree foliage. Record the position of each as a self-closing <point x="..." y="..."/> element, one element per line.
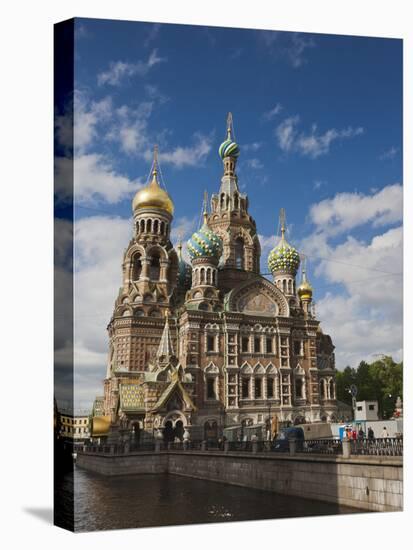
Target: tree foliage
<point x="381" y="380"/>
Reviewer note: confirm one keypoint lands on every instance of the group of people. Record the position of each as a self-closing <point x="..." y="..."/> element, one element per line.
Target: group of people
<point x="352" y="433"/>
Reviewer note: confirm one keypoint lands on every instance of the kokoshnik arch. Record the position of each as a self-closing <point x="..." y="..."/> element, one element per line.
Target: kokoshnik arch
<point x="213" y="343"/>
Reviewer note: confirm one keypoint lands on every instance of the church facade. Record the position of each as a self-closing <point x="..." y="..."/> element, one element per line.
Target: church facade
<point x="213" y="343"/>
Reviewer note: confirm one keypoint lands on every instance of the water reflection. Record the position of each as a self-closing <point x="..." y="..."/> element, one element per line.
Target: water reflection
<point x="155" y="500"/>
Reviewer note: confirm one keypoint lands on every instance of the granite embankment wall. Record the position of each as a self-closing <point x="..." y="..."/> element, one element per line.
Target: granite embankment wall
<point x="370" y="483"/>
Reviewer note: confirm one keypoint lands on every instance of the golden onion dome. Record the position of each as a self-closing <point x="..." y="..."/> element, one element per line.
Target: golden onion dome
<point x="153" y="196"/>
<point x="305" y="291"/>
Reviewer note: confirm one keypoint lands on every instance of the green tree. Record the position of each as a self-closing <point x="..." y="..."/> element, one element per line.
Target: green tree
<point x="381" y="380"/>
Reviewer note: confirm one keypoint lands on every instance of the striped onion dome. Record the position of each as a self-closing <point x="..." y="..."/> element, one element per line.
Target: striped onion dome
<point x="284" y="258"/>
<point x="228" y="148"/>
<point x="204" y="244"/>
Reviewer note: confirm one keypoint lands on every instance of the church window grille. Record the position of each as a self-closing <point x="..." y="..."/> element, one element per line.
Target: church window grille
<point x="245" y="344"/>
<point x="210" y="343"/>
<point x="155" y="268"/>
<point x="258" y="388"/>
<point x="211" y="390"/>
<point x="257" y="345"/>
<point x="270" y="388"/>
<point x="245" y="388"/>
<point x="239" y="253"/>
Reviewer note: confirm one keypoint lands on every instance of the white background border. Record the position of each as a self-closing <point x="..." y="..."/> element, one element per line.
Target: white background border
<point x="26" y="125"/>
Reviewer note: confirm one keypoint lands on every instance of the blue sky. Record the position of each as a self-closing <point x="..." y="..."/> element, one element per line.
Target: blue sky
<point x="319" y="122"/>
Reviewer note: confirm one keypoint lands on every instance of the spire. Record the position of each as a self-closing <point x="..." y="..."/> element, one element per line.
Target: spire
<point x="155" y="165"/>
<point x="303" y="269"/>
<point x="282" y="224"/>
<point x="205" y="207"/>
<point x="165" y="350"/>
<point x="229" y="126"/>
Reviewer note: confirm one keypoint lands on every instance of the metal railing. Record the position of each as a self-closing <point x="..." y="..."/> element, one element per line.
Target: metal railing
<point x="388" y="446"/>
<point x="320" y="446"/>
<point x="376" y="447"/>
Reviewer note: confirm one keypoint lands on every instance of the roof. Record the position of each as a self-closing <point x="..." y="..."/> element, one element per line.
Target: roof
<point x="176" y="384"/>
<point x="131" y="397"/>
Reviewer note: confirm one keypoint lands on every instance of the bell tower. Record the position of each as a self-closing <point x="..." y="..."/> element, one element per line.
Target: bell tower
<point x="230" y="220"/>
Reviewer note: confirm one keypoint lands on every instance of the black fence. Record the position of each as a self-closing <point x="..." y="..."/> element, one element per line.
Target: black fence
<point x="320" y="446"/>
<point x="388" y="446"/>
<point x="333" y="447"/>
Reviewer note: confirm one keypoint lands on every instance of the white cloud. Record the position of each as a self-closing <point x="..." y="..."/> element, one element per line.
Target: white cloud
<point x="254" y="163"/>
<point x="389" y="154"/>
<point x="348" y="210"/>
<point x="286" y="132"/>
<point x="311" y="144"/>
<point x="254" y="146"/>
<point x="180" y="157"/>
<point x="269" y="115"/>
<point x="87" y="116"/>
<point x="364" y="318"/>
<point x="98" y="268"/>
<point x="95" y="180"/>
<point x="119" y="70"/>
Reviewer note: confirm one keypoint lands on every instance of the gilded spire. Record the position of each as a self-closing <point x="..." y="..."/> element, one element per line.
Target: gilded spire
<point x="155" y="165"/>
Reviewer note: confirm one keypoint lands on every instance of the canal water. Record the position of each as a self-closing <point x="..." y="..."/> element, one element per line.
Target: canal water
<point x="156" y="500"/>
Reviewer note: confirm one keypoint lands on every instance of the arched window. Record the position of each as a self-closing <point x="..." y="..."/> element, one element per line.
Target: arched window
<point x="162" y="228"/>
<point x="322" y="389"/>
<point x="155" y="267"/>
<point x="155" y="226"/>
<point x="284" y="285"/>
<point x="239" y="253"/>
<point x="331" y="389"/>
<point x="142" y="224"/>
<point x="222" y="204"/>
<point x="202" y="276"/>
<point x="149" y="226"/>
<point x="137" y="267"/>
<point x="299" y="386"/>
<point x="236" y="201"/>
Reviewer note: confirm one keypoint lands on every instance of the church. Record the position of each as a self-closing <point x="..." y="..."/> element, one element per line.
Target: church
<point x="213" y="343"/>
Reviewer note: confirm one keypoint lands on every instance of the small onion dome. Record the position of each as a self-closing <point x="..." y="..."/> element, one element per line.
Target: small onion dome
<point x="284" y="257"/>
<point x="228" y="148"/>
<point x="305" y="290"/>
<point x="153" y="196"/>
<point x="184" y="270"/>
<point x="204" y="244"/>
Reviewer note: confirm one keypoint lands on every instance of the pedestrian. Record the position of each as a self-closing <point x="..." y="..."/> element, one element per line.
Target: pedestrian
<point x="354" y="434"/>
<point x="360" y="435"/>
<point x="370" y="434"/>
<point x="384" y="433"/>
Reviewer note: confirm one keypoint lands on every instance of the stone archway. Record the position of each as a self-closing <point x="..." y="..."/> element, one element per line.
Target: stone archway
<point x="174" y="425"/>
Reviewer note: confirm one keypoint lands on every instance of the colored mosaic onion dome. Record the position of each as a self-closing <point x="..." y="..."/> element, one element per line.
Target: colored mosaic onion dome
<point x="184" y="270"/>
<point x="228" y="148"/>
<point x="204" y="244"/>
<point x="284" y="258"/>
<point x="152" y="195"/>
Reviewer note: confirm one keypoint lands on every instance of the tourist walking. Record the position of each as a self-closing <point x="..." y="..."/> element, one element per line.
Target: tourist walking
<point x="384" y="433"/>
<point x="370" y="434"/>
